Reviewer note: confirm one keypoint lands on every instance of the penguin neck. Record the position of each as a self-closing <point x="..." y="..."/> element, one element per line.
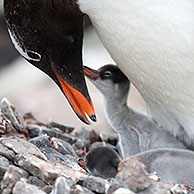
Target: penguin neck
<point x="116" y="109"/>
<point x="117" y="112"/>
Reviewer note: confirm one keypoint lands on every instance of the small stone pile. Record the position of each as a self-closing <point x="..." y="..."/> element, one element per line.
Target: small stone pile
<point x="39" y="158"/>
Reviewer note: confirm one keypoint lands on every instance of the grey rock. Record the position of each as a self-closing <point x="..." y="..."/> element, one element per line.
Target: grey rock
<point x="65" y="129"/>
<point x="65" y="153"/>
<point x="61" y="186"/>
<point x="4" y="151"/>
<point x="94" y="137"/>
<point x="191" y="192"/>
<point x="95" y="184"/>
<point x="33" y="165"/>
<point x="47" y="171"/>
<point x="114" y="186"/>
<point x="67" y="160"/>
<point x="33" y="180"/>
<point x="163" y="191"/>
<point x="4" y="165"/>
<point x="53" y="155"/>
<point x="64" y="147"/>
<point x="123" y="191"/>
<point x="10" y="111"/>
<point x="43" y="142"/>
<point x="33" y="130"/>
<point x="20" y="146"/>
<point x="5" y="125"/>
<point x="52" y="132"/>
<point x="132" y="174"/>
<point x="79" y="144"/>
<point x="71" y="162"/>
<point x="12" y="175"/>
<point x="25" y="188"/>
<point x="48" y="189"/>
<point x="78" y="189"/>
<point x="84" y="136"/>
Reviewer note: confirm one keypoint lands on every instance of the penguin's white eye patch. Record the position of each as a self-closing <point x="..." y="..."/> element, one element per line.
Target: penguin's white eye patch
<point x="34" y="55"/>
<point x="27" y="54"/>
<point x="107" y="74"/>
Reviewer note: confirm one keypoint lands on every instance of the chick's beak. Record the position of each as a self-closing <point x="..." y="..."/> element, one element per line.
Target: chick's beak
<point x="91" y="73"/>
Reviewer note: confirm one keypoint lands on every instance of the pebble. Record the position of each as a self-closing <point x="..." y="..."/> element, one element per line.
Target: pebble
<point x="132" y="174"/>
<point x="4" y="165"/>
<point x="7" y="153"/>
<point x="25" y="188"/>
<point x="84" y="136"/>
<point x="11" y="113"/>
<point x="21" y="146"/>
<point x="33" y="130"/>
<point x="44" y="141"/>
<point x="63" y="128"/>
<point x="41" y="142"/>
<point x="64" y="153"/>
<point x="12" y="175"/>
<point x="64" y="147"/>
<point x="48" y="189"/>
<point x="5" y="125"/>
<point x="95" y="184"/>
<point x="36" y="181"/>
<point x="123" y="191"/>
<point x="78" y="189"/>
<point x="61" y="186"/>
<point x="36" y="130"/>
<point x="46" y="171"/>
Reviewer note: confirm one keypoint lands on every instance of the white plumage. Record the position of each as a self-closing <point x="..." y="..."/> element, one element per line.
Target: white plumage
<point x="152" y="41"/>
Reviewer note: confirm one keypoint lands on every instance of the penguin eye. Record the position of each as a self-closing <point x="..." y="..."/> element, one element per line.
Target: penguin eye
<point x="107" y="74"/>
<point x="33" y="55"/>
<point x="28" y="54"/>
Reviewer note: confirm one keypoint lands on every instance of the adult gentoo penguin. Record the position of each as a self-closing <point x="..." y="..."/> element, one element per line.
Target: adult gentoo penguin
<point x="49" y="35"/>
<point x="151" y="40"/>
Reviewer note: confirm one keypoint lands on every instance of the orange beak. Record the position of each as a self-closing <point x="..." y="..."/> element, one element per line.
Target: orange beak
<point x="78" y="102"/>
<point x="91" y="73"/>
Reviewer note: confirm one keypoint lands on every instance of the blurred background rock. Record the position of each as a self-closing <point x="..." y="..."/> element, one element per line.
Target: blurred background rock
<point x="32" y="91"/>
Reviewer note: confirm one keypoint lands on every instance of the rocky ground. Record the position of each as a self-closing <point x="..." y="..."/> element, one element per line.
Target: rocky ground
<point x="39" y="158"/>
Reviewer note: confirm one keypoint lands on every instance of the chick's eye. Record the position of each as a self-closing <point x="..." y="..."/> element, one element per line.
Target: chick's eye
<point x="107" y="74"/>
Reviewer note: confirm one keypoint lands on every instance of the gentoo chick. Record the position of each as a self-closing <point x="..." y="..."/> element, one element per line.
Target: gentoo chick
<point x="172" y="165"/>
<point x="137" y="132"/>
<point x="102" y="161"/>
<point x="169" y="164"/>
